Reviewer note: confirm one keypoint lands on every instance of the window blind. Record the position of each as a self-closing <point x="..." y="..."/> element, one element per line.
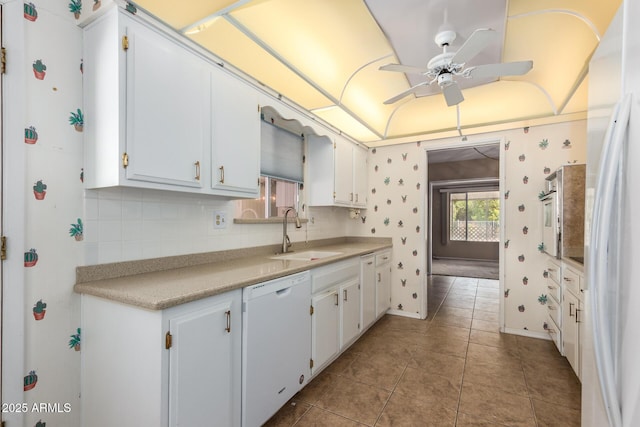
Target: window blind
<point x="281" y="153"/>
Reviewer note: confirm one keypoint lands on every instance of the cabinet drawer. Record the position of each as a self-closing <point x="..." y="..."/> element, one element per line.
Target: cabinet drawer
<point x="553" y="289"/>
<point x="554" y="332"/>
<point x="554" y="311"/>
<point x="571" y="281"/>
<point x="553" y="271"/>
<point x="334" y="274"/>
<point x="383" y="258"/>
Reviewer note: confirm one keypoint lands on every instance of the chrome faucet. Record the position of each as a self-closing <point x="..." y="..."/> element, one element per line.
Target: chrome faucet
<point x="286" y="243"/>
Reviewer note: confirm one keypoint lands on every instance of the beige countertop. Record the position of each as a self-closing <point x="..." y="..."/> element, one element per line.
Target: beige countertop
<point x="166" y="282"/>
<point x="574" y="264"/>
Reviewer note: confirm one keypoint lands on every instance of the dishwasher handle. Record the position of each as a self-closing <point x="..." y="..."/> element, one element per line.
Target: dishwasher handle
<point x="283" y="292"/>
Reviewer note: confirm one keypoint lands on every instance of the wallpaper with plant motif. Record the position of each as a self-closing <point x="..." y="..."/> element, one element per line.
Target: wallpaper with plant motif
<point x="54" y="229"/>
<point x="396" y="203"/>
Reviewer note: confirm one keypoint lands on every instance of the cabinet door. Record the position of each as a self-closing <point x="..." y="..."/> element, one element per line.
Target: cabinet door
<point x="570" y="329"/>
<point x="359" y="176"/>
<point x="383" y="288"/>
<point x="204" y="368"/>
<point x="167" y="110"/>
<point x="350" y="312"/>
<point x="324" y="328"/>
<point x="235" y="150"/>
<point x="343" y="157"/>
<point x="368" y="284"/>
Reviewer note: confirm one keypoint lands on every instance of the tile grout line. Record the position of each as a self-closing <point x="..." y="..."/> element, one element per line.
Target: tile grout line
<point x="466" y="354"/>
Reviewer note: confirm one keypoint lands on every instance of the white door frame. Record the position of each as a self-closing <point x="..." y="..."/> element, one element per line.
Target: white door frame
<point x="13" y="201"/>
<point x="452" y="143"/>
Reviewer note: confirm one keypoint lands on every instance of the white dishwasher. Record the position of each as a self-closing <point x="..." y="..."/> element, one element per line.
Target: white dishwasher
<point x="276" y="345"/>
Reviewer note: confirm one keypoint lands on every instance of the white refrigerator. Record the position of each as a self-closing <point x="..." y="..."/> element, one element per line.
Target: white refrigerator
<point x="611" y="328"/>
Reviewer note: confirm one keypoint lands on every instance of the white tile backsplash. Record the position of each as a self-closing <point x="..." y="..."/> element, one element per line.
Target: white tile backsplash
<point x="129" y="224"/>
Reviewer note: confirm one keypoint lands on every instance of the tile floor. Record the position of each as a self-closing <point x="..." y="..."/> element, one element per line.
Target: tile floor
<point x="452" y="369"/>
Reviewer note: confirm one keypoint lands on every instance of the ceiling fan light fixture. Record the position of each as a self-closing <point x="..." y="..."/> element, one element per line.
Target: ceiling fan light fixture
<point x="445" y="79"/>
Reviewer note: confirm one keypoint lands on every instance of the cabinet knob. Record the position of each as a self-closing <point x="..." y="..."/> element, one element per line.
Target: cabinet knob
<point x="197" y="165"/>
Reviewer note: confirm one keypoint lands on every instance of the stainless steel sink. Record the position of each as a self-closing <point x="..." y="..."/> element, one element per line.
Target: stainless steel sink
<point x="306" y="255"/>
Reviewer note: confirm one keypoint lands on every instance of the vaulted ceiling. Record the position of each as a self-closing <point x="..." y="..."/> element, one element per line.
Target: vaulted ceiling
<point x="325" y="55"/>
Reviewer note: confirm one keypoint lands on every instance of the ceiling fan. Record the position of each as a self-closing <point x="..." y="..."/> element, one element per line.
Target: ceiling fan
<point x="442" y="68"/>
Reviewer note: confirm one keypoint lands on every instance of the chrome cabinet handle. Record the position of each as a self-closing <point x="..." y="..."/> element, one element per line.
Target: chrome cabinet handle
<point x="228" y="314"/>
<point x="577" y="311"/>
<point x="345" y="296"/>
<point x="197" y="165"/>
<point x="221" y="174"/>
<point x="570" y="307"/>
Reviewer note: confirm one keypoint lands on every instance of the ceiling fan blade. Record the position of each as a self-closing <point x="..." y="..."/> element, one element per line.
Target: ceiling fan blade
<point x="498" y="70"/>
<point x="452" y="94"/>
<point x="404" y="69"/>
<point x="476" y="42"/>
<point x="409" y="91"/>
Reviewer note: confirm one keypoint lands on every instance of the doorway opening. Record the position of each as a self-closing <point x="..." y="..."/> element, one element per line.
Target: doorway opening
<point x="464" y="229"/>
<point x="464" y="211"/>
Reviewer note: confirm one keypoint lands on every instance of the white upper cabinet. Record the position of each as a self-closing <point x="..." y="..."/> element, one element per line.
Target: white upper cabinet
<point x="160" y="115"/>
<point x="167" y="109"/>
<point x="146" y="107"/>
<point x="343" y="172"/>
<point x="360" y="176"/>
<point x="235" y="150"/>
<point x="337" y="173"/>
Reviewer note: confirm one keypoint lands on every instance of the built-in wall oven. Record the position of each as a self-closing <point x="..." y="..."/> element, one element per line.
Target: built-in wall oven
<point x="563" y="212"/>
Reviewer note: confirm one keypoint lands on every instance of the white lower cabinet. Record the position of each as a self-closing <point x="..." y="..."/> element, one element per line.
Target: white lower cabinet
<point x="173" y="367"/>
<point x="325" y="324"/>
<point x="570" y="310"/>
<point x="383" y="283"/>
<point x="571" y="317"/>
<point x="335" y="302"/>
<point x="349" y="312"/>
<point x="368" y="285"/>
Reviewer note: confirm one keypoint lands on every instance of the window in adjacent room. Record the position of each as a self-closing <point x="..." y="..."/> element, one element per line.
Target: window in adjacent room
<point x="474" y="216"/>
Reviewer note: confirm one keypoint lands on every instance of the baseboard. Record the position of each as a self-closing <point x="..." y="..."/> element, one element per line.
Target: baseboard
<point x="526" y="333"/>
<point x="404" y="314"/>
